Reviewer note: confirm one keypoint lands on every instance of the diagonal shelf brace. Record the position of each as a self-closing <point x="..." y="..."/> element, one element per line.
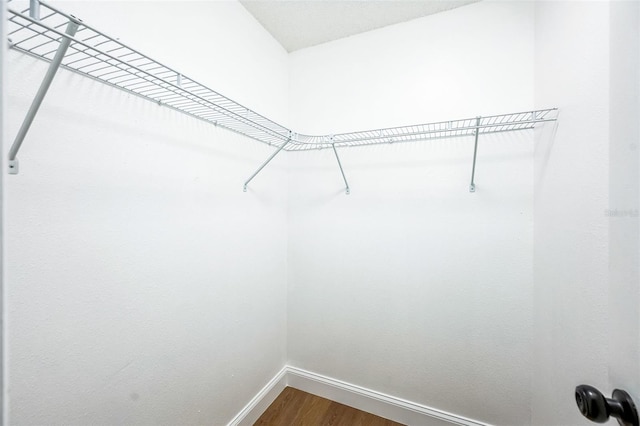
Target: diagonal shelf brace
<point x="347" y="190"/>
<point x="267" y="162"/>
<point x="472" y="187"/>
<point x="72" y="27"/>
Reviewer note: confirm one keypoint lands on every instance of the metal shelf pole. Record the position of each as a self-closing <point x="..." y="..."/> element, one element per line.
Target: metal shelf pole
<point x="72" y="27"/>
<point x="34" y="9"/>
<point x="347" y="190"/>
<point x="472" y="187"/>
<point x="244" y="188"/>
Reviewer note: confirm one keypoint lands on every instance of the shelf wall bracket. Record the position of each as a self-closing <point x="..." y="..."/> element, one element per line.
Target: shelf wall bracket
<point x="347" y="190"/>
<point x="72" y="27"/>
<point x="472" y="187"/>
<point x="271" y="157"/>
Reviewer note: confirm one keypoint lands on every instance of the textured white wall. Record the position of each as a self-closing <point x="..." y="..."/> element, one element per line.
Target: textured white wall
<point x="587" y="287"/>
<point x="3" y="131"/>
<point x="571" y="238"/>
<point x="624" y="197"/>
<point x="144" y="285"/>
<point x="411" y="285"/>
<point x="216" y="42"/>
<point x="460" y="63"/>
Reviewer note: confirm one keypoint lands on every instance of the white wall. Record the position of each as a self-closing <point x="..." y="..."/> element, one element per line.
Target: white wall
<point x="215" y="42"/>
<point x="571" y="239"/>
<point x="3" y="58"/>
<point x="411" y="285"/>
<point x="586" y="254"/>
<point x="624" y="197"/>
<point x="144" y="285"/>
<point x="460" y="63"/>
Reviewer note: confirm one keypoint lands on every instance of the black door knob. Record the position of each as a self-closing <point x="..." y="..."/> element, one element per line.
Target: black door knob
<point x="598" y="408"/>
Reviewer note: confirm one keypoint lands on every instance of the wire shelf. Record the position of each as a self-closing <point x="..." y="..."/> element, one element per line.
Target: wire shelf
<point x="438" y="130"/>
<point x="96" y="55"/>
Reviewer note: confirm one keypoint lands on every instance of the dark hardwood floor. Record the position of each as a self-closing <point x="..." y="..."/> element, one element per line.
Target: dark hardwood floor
<point x="294" y="407"/>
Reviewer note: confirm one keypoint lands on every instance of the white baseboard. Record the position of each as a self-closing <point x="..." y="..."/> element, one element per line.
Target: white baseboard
<point x="259" y="403"/>
<point x="380" y="404"/>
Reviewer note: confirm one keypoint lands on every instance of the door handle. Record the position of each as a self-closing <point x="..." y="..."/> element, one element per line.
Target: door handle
<point x="598" y="408"/>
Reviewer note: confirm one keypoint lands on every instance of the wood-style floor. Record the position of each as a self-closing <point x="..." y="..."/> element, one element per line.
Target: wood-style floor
<point x="294" y="407"/>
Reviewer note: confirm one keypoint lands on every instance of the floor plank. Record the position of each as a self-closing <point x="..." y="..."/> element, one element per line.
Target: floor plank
<point x="294" y="407"/>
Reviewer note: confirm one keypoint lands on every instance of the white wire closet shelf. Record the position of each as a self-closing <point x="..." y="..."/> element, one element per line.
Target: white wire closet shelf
<point x="45" y="32"/>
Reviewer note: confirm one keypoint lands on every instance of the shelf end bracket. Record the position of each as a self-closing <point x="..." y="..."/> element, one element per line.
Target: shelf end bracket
<point x="72" y="27"/>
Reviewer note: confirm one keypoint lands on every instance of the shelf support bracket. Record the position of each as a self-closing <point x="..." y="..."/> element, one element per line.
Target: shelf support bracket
<point x="244" y="188"/>
<point x="347" y="190"/>
<point x="72" y="27"/>
<point x="472" y="187"/>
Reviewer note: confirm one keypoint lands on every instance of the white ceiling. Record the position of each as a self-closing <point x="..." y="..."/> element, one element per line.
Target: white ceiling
<point x="297" y="24"/>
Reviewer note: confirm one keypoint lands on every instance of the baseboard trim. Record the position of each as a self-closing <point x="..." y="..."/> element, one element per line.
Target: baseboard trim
<point x="378" y="403"/>
<point x="259" y="403"/>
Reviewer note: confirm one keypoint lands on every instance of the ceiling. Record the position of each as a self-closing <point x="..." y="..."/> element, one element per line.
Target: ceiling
<point x="297" y="24"/>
